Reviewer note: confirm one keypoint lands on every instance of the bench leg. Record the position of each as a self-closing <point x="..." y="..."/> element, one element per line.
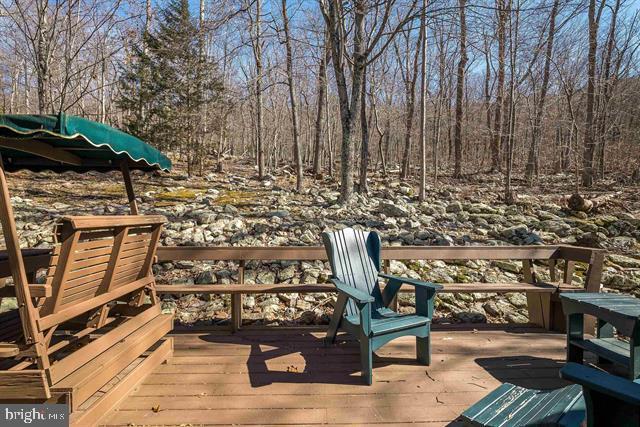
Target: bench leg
<point x="423" y="349"/>
<point x="366" y="360"/>
<point x="575" y="331"/>
<point x="604" y="330"/>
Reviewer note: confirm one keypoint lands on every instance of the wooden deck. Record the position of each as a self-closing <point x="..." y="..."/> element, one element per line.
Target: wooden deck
<point x="287" y="377"/>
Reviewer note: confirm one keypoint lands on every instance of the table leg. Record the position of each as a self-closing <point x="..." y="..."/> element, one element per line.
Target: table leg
<point x="634" y="361"/>
<point x="575" y="331"/>
<point x="604" y="330"/>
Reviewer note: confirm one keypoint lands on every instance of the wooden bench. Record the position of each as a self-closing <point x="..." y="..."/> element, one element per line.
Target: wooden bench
<point x="544" y="306"/>
<point x="601" y="398"/>
<point x="99" y="314"/>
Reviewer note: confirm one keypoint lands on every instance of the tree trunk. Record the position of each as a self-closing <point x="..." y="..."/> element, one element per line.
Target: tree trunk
<point x="364" y="130"/>
<point x="605" y="96"/>
<point x="589" y="131"/>
<point x="292" y="96"/>
<point x="410" y="79"/>
<point x="322" y="87"/>
<point x="462" y="65"/>
<point x="257" y="50"/>
<point x="423" y="103"/>
<point x="533" y="159"/>
<point x="497" y="121"/>
<point x="487" y="91"/>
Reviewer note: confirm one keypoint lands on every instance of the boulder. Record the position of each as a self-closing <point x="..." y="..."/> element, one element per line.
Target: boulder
<point x="393" y="209"/>
<point x="454" y="207"/>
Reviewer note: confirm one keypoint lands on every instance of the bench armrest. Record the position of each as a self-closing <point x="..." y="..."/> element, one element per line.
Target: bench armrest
<point x="357" y="295"/>
<point x="602" y="382"/>
<point x="412" y="282"/>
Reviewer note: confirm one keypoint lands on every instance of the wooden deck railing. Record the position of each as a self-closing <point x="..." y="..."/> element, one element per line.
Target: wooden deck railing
<point x="543" y="304"/>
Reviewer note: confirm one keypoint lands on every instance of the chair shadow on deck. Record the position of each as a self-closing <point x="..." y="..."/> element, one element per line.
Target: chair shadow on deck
<point x="305" y="358"/>
<point x="525" y="370"/>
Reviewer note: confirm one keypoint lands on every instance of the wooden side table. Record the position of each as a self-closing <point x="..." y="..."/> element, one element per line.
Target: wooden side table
<point x="612" y="311"/>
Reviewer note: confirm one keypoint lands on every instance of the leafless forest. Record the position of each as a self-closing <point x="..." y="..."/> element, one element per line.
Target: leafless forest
<point x="412" y="88"/>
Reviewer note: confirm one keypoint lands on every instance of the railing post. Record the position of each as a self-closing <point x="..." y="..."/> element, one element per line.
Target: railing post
<point x="553" y="273"/>
<point x="393" y="305"/>
<point x="567" y="274"/>
<point x="236" y="301"/>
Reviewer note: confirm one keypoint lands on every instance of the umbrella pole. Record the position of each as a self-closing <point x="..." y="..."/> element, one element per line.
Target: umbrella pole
<point x="21" y="284"/>
<point x="128" y="185"/>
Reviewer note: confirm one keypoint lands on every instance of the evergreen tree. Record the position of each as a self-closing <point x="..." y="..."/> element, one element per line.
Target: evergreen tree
<point x="168" y="84"/>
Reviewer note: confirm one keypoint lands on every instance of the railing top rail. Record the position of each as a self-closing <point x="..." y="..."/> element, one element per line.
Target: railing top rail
<point x="306" y="253"/>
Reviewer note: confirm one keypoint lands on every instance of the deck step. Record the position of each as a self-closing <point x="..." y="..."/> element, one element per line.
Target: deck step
<point x="85" y="381"/>
<point x="613" y="349"/>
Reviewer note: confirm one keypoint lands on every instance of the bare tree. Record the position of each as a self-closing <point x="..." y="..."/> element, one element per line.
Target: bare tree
<point x="423" y="102"/>
<point x="335" y="14"/>
<point x="257" y="44"/>
<point x="497" y="121"/>
<point x="533" y="159"/>
<point x="462" y="65"/>
<point x="589" y="129"/>
<point x="292" y="98"/>
<point x="322" y="93"/>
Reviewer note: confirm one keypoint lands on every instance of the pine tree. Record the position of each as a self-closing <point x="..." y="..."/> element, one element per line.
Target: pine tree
<point x="168" y="83"/>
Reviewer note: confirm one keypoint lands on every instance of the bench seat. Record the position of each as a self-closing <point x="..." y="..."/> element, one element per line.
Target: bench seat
<point x="88" y="378"/>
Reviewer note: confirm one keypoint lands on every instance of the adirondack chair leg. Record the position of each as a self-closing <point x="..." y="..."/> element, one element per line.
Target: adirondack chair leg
<point x="338" y="310"/>
<point x="423" y="349"/>
<point x="366" y="360"/>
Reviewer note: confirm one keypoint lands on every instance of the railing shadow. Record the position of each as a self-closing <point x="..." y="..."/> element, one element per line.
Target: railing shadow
<point x="304" y="359"/>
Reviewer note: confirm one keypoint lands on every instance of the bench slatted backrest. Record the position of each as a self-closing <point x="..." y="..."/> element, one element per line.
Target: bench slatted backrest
<point x="98" y="259"/>
<point x="354" y="256"/>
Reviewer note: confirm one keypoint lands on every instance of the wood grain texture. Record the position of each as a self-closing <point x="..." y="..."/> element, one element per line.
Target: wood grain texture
<point x="24" y="385"/>
<point x="288" y="377"/>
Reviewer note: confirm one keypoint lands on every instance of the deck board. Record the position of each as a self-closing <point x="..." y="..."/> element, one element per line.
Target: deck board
<point x="288" y="377"/>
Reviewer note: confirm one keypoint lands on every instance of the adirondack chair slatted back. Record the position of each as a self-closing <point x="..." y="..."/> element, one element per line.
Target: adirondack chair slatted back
<point x="97" y="257"/>
<point x="354" y="256"/>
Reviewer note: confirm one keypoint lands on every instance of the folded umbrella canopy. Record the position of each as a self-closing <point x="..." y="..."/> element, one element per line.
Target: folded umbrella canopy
<point x="62" y="143"/>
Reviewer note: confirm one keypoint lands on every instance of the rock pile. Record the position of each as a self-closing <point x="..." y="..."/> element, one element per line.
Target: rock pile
<point x="234" y="210"/>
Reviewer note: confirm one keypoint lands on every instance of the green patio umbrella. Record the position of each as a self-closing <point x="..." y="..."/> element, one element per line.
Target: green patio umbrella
<point x="61" y="143"/>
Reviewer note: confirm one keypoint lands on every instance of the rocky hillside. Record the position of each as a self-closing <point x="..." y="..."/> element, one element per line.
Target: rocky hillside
<point x="235" y="209"/>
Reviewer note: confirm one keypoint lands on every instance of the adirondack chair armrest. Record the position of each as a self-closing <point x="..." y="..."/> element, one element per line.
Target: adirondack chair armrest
<point x="412" y="282"/>
<point x="357" y="295"/>
<point x="602" y="382"/>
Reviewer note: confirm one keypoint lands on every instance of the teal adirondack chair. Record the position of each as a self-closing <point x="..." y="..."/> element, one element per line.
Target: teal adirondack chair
<point x="363" y="309"/>
<point x="603" y="399"/>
